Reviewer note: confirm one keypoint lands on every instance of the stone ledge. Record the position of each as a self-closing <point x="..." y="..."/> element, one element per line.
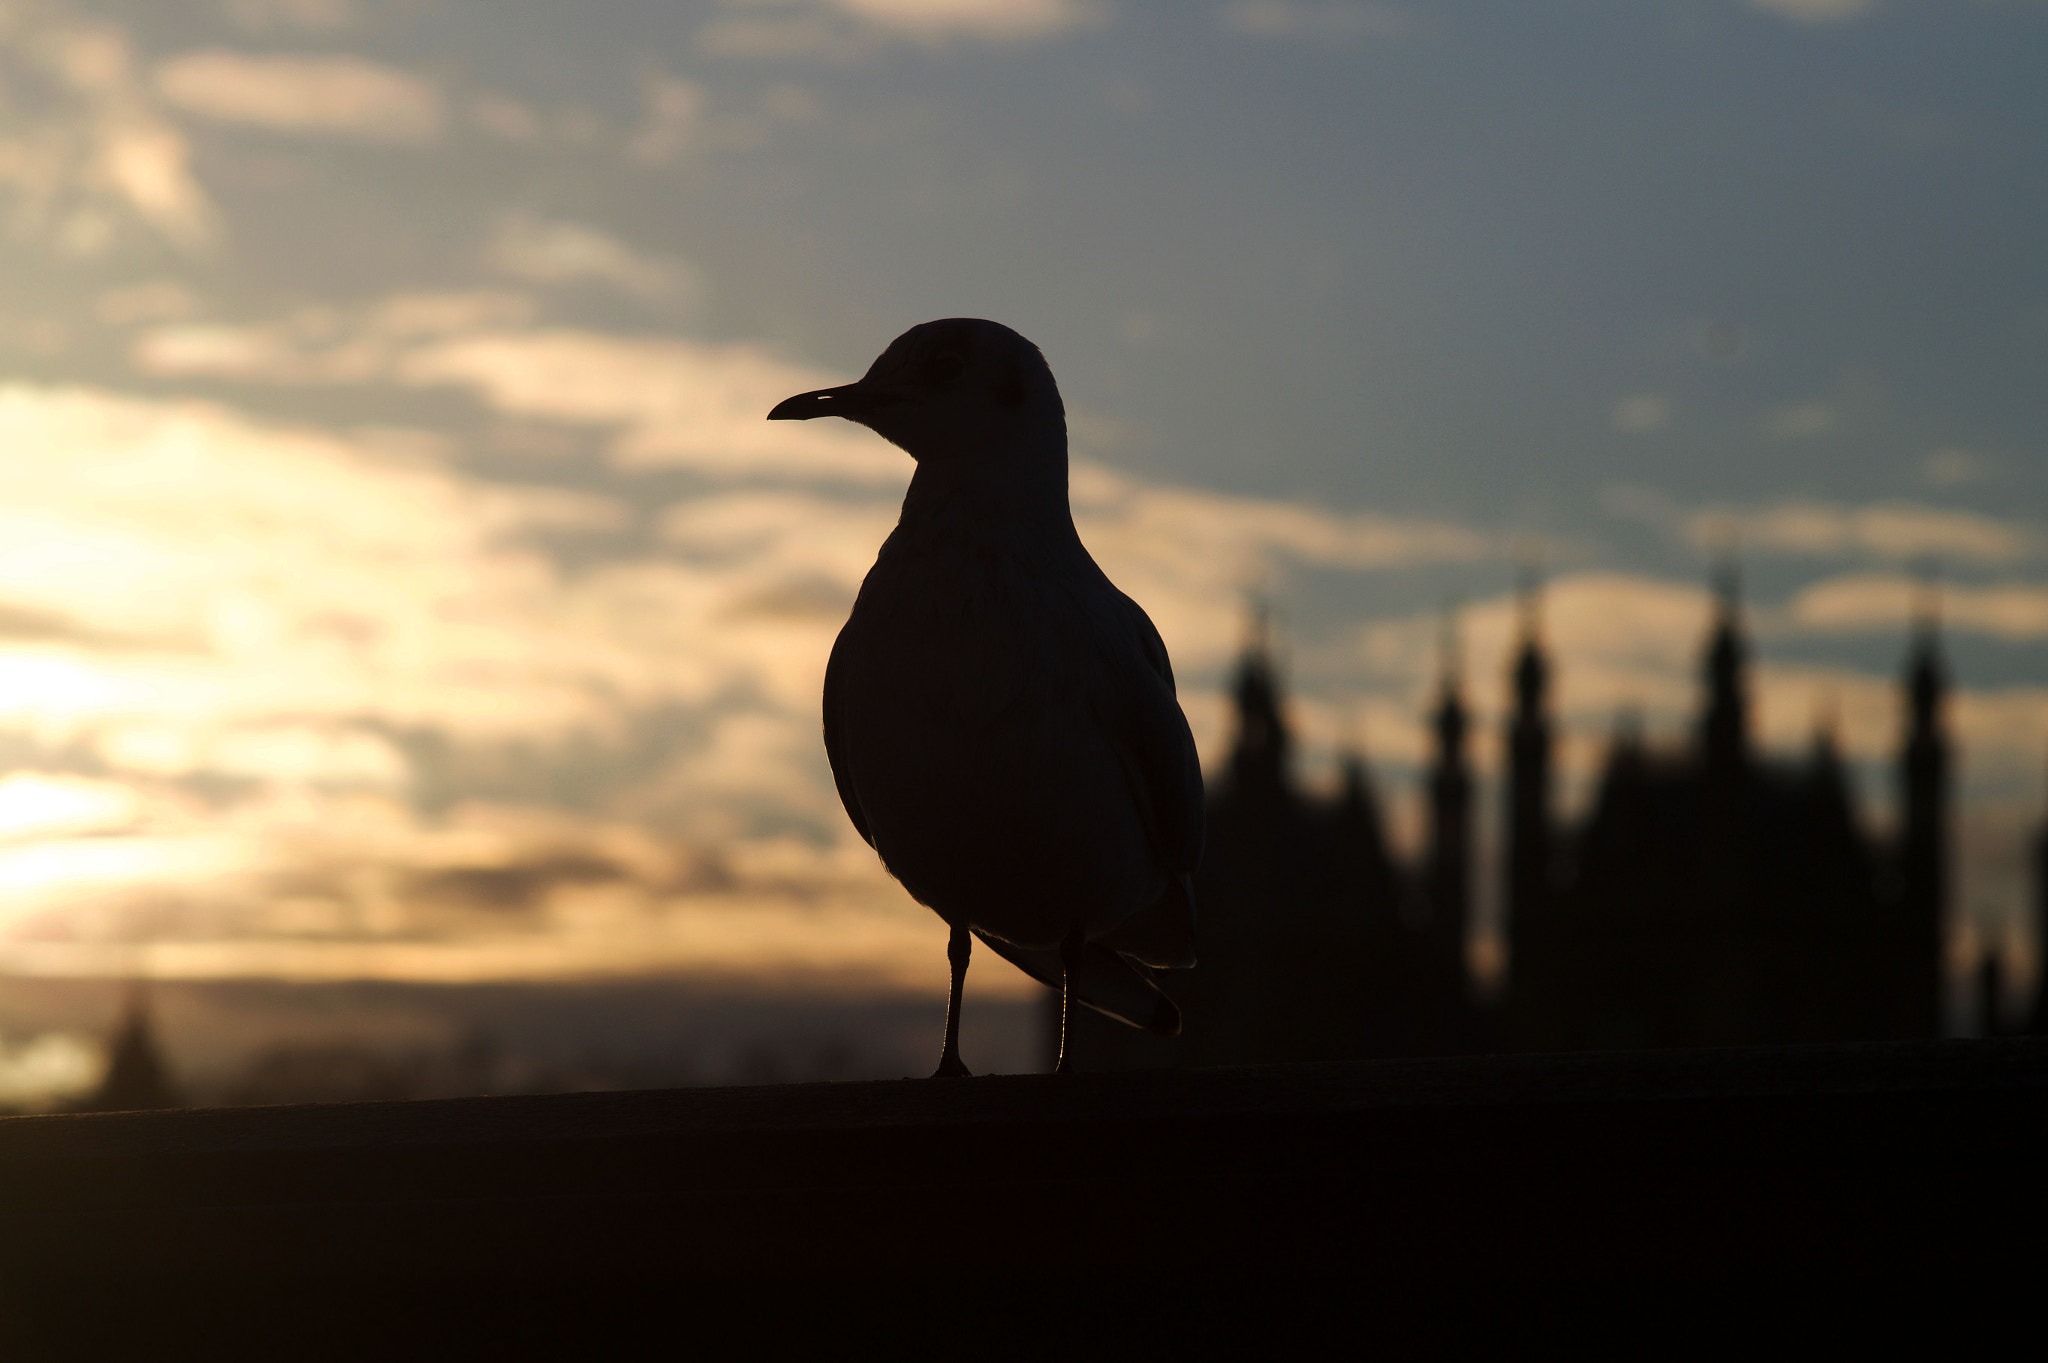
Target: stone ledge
<point x="1896" y="1163"/>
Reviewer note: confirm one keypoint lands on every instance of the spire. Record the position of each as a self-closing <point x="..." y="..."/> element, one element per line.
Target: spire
<point x="1448" y="867"/>
<point x="1450" y="710"/>
<point x="137" y="1079"/>
<point x="1925" y="679"/>
<point x="1724" y="729"/>
<point x="1923" y="834"/>
<point x="1827" y="723"/>
<point x="1532" y="670"/>
<point x="1528" y="784"/>
<point x="1259" y="759"/>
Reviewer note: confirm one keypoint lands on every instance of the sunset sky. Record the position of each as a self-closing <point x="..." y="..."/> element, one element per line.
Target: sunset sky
<point x="398" y="580"/>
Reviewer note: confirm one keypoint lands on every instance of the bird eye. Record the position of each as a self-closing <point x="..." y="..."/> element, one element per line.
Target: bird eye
<point x="943" y="368"/>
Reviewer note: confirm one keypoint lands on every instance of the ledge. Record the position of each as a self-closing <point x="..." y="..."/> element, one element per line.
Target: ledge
<point x="1869" y="1164"/>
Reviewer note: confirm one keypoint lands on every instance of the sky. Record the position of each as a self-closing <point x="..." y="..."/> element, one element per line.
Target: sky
<point x="398" y="581"/>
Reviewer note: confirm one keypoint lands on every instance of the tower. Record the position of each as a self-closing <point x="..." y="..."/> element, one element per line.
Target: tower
<point x="1923" y="834"/>
<point x="2037" y="1019"/>
<point x="1724" y="728"/>
<point x="1528" y="791"/>
<point x="1259" y="758"/>
<point x="137" y="1080"/>
<point x="1446" y="872"/>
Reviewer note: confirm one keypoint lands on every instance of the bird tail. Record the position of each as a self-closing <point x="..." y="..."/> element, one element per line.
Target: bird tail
<point x="1109" y="983"/>
<point x="1163" y="934"/>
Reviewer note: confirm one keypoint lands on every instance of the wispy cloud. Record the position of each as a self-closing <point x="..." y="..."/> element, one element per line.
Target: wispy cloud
<point x="1884" y="530"/>
<point x="1817" y="13"/>
<point x="1640" y="414"/>
<point x="1800" y="420"/>
<point x="843" y="30"/>
<point x="1314" y="20"/>
<point x="1895" y="531"/>
<point x="673" y="110"/>
<point x="2016" y="611"/>
<point x="320" y="16"/>
<point x="552" y="252"/>
<point x="1953" y="467"/>
<point x="313" y="95"/>
<point x="1625" y="643"/>
<point x="87" y="151"/>
<point x="674" y="402"/>
<point x="988" y="20"/>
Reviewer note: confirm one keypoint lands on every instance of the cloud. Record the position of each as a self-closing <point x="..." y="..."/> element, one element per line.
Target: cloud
<point x="1640" y="414"/>
<point x="847" y="30"/>
<point x="36" y="805"/>
<point x="988" y="20"/>
<point x="799" y="536"/>
<point x="1800" y="420"/>
<point x="1625" y="640"/>
<point x="1628" y="644"/>
<point x="324" y="16"/>
<point x="503" y="116"/>
<point x="2016" y="611"/>
<point x="541" y="251"/>
<point x="332" y="712"/>
<point x="674" y="110"/>
<point x="1884" y="530"/>
<point x="261" y="572"/>
<point x="1952" y="467"/>
<point x="260" y="637"/>
<point x="1296" y="20"/>
<point x="310" y="708"/>
<point x="674" y="402"/>
<point x="665" y="401"/>
<point x="785" y="37"/>
<point x="149" y="301"/>
<point x="147" y="164"/>
<point x="1816" y="13"/>
<point x="49" y="1069"/>
<point x="332" y="96"/>
<point x="86" y="152"/>
<point x="320" y="345"/>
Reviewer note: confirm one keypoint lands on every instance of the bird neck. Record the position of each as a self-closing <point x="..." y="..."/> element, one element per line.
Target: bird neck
<point x="1020" y="489"/>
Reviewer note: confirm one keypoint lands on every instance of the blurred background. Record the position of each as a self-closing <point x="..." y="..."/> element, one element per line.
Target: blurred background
<point x="411" y="633"/>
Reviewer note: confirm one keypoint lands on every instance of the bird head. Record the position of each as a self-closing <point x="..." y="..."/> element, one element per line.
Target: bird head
<point x="946" y="390"/>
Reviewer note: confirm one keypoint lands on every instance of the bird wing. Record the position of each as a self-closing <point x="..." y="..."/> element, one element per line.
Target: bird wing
<point x="1157" y="753"/>
<point x="835" y="748"/>
<point x="1109" y="984"/>
<point x="1159" y="749"/>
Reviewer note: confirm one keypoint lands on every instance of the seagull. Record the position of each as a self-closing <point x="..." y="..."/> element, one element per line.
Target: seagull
<point x="1001" y="720"/>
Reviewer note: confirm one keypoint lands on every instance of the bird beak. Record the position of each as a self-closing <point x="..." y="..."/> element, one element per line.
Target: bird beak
<point x="852" y="401"/>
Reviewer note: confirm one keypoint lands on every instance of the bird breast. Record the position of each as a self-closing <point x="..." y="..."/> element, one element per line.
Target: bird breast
<point x="975" y="693"/>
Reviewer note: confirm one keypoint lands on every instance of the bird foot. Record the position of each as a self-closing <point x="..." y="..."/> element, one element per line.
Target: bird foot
<point x="951" y="1068"/>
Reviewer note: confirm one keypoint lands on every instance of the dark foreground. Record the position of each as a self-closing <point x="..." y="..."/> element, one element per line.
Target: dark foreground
<point x="1541" y="1198"/>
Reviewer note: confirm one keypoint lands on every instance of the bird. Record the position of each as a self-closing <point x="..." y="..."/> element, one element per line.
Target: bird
<point x="1001" y="721"/>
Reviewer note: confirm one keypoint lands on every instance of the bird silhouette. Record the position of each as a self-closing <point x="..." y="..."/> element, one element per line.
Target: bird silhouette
<point x="1001" y="720"/>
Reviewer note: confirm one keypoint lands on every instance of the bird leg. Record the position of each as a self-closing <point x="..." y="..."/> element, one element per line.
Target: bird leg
<point x="1070" y="1003"/>
<point x="957" y="950"/>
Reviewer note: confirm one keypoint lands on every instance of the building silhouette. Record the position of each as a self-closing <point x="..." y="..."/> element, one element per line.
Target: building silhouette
<point x="137" y="1079"/>
<point x="1709" y="896"/>
<point x="1713" y="896"/>
<point x="2035" y="1020"/>
<point x="1315" y="942"/>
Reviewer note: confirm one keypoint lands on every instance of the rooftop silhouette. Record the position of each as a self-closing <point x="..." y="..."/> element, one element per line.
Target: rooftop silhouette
<point x="1709" y="896"/>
